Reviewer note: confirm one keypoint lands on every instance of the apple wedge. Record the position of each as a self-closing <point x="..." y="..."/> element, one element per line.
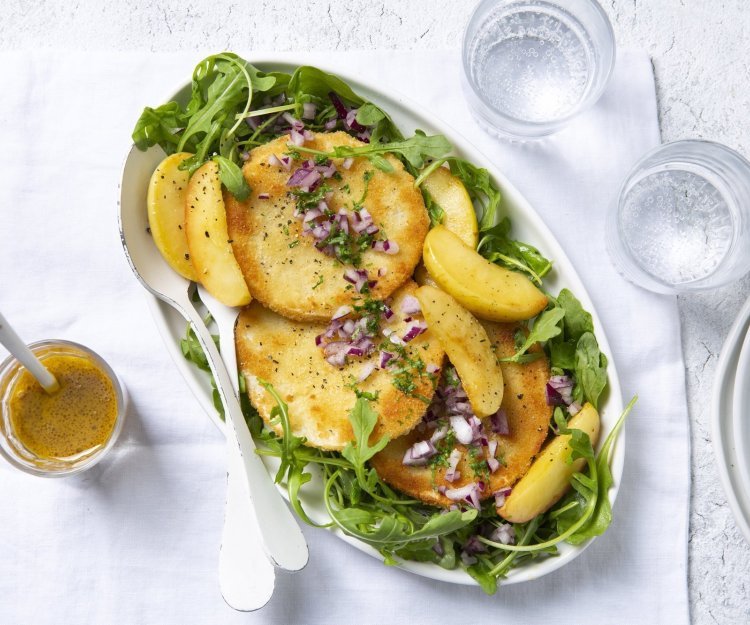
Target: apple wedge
<point x="208" y="241"/>
<point x="488" y="290"/>
<point x="451" y="195"/>
<point x="548" y="479"/>
<point x="165" y="203"/>
<point x="466" y="343"/>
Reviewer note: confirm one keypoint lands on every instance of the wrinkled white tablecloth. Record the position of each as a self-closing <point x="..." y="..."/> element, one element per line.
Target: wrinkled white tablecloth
<point x="135" y="540"/>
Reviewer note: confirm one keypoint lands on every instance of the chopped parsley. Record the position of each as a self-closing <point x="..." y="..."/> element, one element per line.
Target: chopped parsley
<point x="405" y="370"/>
<point x="352" y="384"/>
<point x="478" y="464"/>
<point x="310" y="199"/>
<point x="366" y="177"/>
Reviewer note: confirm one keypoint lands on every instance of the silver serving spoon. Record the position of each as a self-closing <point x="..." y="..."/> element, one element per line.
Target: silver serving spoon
<point x="240" y="540"/>
<point x="281" y="537"/>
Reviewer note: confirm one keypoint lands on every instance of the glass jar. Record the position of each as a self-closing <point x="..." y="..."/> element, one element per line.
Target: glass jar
<point x="19" y="453"/>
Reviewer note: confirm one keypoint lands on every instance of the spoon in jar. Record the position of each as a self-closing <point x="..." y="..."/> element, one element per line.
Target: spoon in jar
<point x="13" y="343"/>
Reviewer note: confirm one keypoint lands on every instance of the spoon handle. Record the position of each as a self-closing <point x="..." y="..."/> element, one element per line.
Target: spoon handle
<point x="283" y="540"/>
<point x="246" y="576"/>
<point x="26" y="357"/>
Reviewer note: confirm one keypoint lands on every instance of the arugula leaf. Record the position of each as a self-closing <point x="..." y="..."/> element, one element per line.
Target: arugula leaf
<point x="482" y="190"/>
<point x="414" y="150"/>
<point x="232" y="178"/>
<point x="159" y="126"/>
<point x="496" y="245"/>
<point x="434" y="210"/>
<point x="584" y="493"/>
<point x="223" y="87"/>
<point x="359" y="451"/>
<point x="590" y="368"/>
<point x="546" y="326"/>
<point x="369" y="114"/>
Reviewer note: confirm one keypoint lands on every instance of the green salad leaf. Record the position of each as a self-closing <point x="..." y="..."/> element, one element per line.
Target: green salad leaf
<point x="588" y="494"/>
<point x="415" y="150"/>
<point x="546" y="326"/>
<point x="496" y="245"/>
<point x="363" y="420"/>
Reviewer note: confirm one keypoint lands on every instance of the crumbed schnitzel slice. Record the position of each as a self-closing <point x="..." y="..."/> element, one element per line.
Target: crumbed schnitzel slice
<point x="319" y="394"/>
<point x="283" y="268"/>
<point x="528" y="417"/>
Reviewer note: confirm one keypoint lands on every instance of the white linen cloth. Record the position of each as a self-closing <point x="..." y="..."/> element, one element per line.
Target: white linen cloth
<point x="135" y="540"/>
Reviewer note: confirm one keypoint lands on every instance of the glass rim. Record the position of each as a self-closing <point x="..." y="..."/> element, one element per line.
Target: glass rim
<point x="120" y="397"/>
<point x="550" y="125"/>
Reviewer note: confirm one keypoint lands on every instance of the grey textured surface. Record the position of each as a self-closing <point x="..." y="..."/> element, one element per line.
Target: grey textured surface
<point x="703" y="85"/>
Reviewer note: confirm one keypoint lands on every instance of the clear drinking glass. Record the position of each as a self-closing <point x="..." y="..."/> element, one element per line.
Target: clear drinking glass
<point x="13" y="449"/>
<point x="530" y="66"/>
<point x="681" y="221"/>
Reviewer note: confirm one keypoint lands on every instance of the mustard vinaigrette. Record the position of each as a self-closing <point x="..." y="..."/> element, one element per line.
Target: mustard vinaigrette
<point x="63" y="431"/>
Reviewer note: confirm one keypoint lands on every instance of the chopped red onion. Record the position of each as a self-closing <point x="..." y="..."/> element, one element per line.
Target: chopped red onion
<point x="419" y="453"/>
<point x="552" y="397"/>
<point x="385" y="357"/>
<point x="474" y="545"/>
<point x="312" y="214"/>
<point x="503" y="534"/>
<point x="476" y="427"/>
<point x="467" y="559"/>
<point x="438" y="549"/>
<point x="414" y="330"/>
<point x="307" y="135"/>
<point x="330" y="124"/>
<point x="327" y="170"/>
<point x="468" y="493"/>
<point x="451" y="475"/>
<point x="274" y="160"/>
<point x="500" y="496"/>
<point x="574" y="409"/>
<point x="439" y="434"/>
<point x="492" y="448"/>
<point x="308" y="110"/>
<point x="464" y="432"/>
<point x="387" y="246"/>
<point x="357" y="277"/>
<point x="341" y="311"/>
<point x="382" y="271"/>
<point x="410" y="305"/>
<point x="361" y="220"/>
<point x="493" y="464"/>
<point x="304" y="178"/>
<point x="348" y="162"/>
<point x="263" y="196"/>
<point x="432" y="368"/>
<point x="499" y="422"/>
<point x="245" y="155"/>
<point x="286" y="162"/>
<point x="351" y="117"/>
<point x="296" y="137"/>
<point x="335" y="353"/>
<point x="295" y="123"/>
<point x="338" y="104"/>
<point x="559" y="390"/>
<point x="252" y="122"/>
